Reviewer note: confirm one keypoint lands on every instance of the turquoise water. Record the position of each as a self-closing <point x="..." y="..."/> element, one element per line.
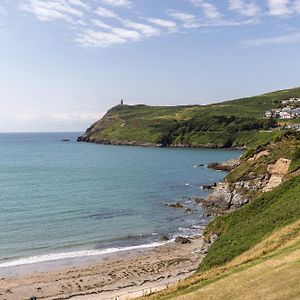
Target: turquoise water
<point x="65" y="198"/>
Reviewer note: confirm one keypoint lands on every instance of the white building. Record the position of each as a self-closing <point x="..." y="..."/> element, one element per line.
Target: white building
<point x="291" y="100"/>
<point x="296" y="112"/>
<point x="285" y="115"/>
<point x="268" y="114"/>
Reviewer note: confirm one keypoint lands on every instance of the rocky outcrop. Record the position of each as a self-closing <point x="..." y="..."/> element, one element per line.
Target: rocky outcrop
<point x="258" y="155"/>
<point x="226" y="166"/>
<point x="175" y="205"/>
<point x="280" y="167"/>
<point x="228" y="195"/>
<point x="277" y="171"/>
<point x="209" y="186"/>
<point x="182" y="240"/>
<point x="164" y="238"/>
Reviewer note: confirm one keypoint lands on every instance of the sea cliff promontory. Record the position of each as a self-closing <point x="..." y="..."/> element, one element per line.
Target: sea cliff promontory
<point x="240" y="123"/>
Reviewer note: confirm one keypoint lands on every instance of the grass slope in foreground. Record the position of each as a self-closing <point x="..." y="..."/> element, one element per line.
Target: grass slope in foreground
<point x="249" y="225"/>
<point x="269" y="271"/>
<point x="236" y="123"/>
<point x="241" y="263"/>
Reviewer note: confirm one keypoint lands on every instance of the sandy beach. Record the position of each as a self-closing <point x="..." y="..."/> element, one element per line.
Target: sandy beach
<point x="123" y="275"/>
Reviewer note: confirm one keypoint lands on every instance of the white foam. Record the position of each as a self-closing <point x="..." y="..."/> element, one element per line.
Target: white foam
<point x="75" y="254"/>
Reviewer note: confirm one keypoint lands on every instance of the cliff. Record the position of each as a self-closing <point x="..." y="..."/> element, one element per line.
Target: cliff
<point x="259" y="170"/>
<point x="232" y="124"/>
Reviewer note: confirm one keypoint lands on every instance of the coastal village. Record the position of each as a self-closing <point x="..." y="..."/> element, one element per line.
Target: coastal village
<point x="288" y="110"/>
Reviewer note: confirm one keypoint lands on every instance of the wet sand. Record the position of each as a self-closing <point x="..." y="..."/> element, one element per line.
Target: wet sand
<point x="123" y="275"/>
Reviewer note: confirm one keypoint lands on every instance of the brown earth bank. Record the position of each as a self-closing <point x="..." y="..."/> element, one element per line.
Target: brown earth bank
<point x="228" y="195"/>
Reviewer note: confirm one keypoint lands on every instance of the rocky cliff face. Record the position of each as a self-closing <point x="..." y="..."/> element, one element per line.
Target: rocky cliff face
<point x="234" y="194"/>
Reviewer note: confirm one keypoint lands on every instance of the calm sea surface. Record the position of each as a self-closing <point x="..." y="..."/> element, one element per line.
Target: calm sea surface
<point x="67" y="199"/>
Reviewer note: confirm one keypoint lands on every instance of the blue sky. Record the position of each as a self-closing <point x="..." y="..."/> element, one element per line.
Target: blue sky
<point x="65" y="62"/>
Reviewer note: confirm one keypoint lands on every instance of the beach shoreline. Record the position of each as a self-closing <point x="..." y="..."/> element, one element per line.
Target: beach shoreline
<point x="126" y="273"/>
<point x="130" y="274"/>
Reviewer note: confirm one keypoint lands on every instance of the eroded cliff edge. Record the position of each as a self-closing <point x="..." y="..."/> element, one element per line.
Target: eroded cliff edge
<point x="258" y="171"/>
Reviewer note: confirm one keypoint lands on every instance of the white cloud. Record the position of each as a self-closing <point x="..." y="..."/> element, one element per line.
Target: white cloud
<point x="79" y="3"/>
<point x="284" y="39"/>
<point x="215" y="19"/>
<point x="188" y="20"/>
<point x="145" y="29"/>
<point x="244" y="8"/>
<point x="210" y="11"/>
<point x="107" y="36"/>
<point x="101" y="24"/>
<point x="127" y="34"/>
<point x="231" y="23"/>
<point x="119" y="3"/>
<point x="90" y="30"/>
<point x="94" y="38"/>
<point x="106" y="13"/>
<point x="279" y="7"/>
<point x="163" y="23"/>
<point x="54" y="9"/>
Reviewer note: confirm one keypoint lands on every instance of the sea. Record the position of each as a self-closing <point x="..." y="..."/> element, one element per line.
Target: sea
<point x="64" y="199"/>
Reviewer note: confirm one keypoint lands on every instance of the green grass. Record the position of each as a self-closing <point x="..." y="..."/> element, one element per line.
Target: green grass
<point x="274" y="276"/>
<point x="295" y="165"/>
<point x="231" y="123"/>
<point x="248" y="236"/>
<point x="247" y="226"/>
<point x="235" y="280"/>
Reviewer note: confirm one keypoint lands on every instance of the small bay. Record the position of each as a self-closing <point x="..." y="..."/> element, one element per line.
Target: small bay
<point x="62" y="197"/>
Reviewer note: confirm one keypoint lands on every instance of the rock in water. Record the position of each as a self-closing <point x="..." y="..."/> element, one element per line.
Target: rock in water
<point x="164" y="238"/>
<point x="209" y="186"/>
<point x="226" y="166"/>
<point x="175" y="205"/>
<point x="182" y="240"/>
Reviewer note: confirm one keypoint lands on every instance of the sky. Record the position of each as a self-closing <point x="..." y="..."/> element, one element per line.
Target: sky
<point x="64" y="63"/>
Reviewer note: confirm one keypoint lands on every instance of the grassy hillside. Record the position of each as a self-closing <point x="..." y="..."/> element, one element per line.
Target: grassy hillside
<point x="273" y="277"/>
<point x="228" y="124"/>
<point x="286" y="146"/>
<point x="269" y="271"/>
<point x="247" y="226"/>
<point x="249" y="237"/>
<point x="258" y="258"/>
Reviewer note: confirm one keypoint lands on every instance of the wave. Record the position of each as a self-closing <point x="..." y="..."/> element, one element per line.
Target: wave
<point x="76" y="254"/>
